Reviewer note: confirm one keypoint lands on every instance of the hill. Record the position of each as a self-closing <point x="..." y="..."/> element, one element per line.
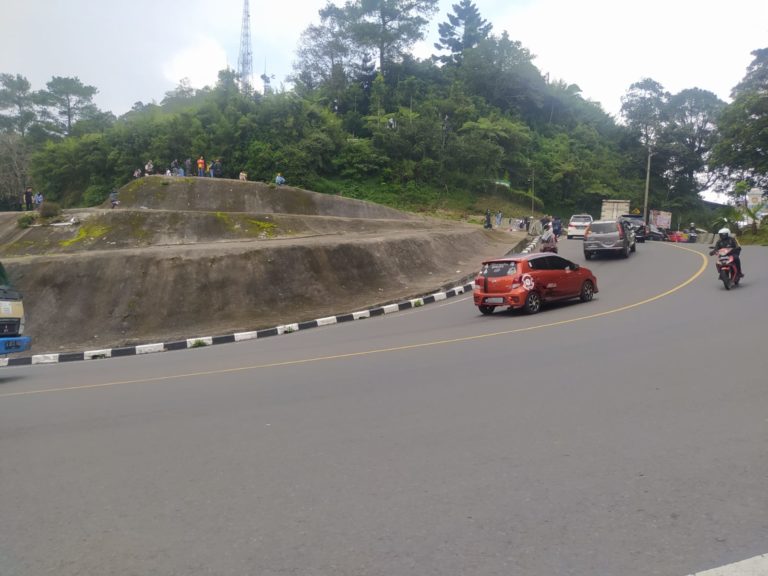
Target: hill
<point x="183" y="257"/>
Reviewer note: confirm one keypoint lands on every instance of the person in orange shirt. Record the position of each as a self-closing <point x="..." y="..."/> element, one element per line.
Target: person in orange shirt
<point x="201" y="166"/>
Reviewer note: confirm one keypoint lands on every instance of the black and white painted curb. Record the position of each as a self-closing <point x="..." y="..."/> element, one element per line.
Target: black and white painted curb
<point x="203" y="341"/>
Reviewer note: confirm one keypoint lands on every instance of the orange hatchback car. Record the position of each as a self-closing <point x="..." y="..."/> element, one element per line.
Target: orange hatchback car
<point x="529" y="280"/>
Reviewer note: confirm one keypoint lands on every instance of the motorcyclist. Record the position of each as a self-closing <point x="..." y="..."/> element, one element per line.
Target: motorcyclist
<point x="727" y="240"/>
<point x="548" y="239"/>
<point x="692" y="234"/>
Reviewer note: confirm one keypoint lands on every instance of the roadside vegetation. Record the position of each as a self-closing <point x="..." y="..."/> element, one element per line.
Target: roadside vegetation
<point x="475" y="126"/>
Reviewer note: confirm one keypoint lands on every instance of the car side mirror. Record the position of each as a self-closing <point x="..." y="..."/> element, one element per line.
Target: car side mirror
<point x="573" y="266"/>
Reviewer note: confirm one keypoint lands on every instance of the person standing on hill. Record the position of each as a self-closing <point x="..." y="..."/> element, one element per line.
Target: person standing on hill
<point x="188" y="166"/>
<point x="201" y="166"/>
<point x="149" y="168"/>
<point x="28" y="198"/>
<point x="279" y="180"/>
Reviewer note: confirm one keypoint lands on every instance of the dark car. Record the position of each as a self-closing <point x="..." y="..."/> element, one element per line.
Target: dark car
<point x="529" y="280"/>
<point x="655" y="233"/>
<point x="609" y="236"/>
<point x="641" y="230"/>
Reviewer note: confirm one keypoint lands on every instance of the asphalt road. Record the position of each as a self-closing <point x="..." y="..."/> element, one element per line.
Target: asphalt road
<point x="626" y="436"/>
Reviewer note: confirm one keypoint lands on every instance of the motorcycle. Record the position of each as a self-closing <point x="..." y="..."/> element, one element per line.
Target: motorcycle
<point x="549" y="242"/>
<point x="726" y="267"/>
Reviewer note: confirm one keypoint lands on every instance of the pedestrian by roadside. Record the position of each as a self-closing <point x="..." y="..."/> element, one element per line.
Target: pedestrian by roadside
<point x="38" y="200"/>
<point x="188" y="166"/>
<point x="201" y="166"/>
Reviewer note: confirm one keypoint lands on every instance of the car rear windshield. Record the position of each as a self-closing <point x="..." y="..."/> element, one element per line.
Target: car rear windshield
<point x="581" y="219"/>
<point x="603" y="227"/>
<point x="496" y="269"/>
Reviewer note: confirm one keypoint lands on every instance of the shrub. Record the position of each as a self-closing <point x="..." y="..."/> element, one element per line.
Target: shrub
<point x="49" y="210"/>
<point x="26" y="220"/>
<point x="95" y="195"/>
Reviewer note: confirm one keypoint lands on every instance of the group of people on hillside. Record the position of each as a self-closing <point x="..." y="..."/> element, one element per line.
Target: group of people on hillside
<point x="200" y="168"/>
<point x="31" y="200"/>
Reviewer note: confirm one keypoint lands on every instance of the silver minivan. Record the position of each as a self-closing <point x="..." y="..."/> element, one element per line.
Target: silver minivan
<point x="609" y="236"/>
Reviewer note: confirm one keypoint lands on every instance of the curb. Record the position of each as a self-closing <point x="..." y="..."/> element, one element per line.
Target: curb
<point x="205" y="341"/>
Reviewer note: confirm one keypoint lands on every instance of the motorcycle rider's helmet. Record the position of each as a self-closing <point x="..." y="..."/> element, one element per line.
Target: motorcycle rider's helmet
<point x="724" y="233"/>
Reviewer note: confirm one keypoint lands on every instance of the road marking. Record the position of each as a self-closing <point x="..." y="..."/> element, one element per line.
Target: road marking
<point x="672" y="290"/>
<point x="757" y="566"/>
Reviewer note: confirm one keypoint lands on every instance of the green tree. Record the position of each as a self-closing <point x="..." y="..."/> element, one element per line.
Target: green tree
<point x="643" y="109"/>
<point x="14" y="165"/>
<point x="742" y="151"/>
<point x="465" y="29"/>
<point x="689" y="135"/>
<point x="17" y="98"/>
<point x="388" y="27"/>
<point x="66" y="101"/>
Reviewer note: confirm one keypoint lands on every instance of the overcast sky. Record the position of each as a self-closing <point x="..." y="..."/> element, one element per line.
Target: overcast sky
<point x="136" y="50"/>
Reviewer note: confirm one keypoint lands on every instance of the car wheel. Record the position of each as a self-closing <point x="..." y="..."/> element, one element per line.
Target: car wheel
<point x="625" y="252"/>
<point x="587" y="291"/>
<point x="532" y="302"/>
<point x="486" y="309"/>
<point x="569" y="237"/>
<point x="587" y="255"/>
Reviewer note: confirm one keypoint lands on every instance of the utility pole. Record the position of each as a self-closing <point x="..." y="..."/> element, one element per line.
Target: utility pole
<point x="647" y="185"/>
<point x="245" y="59"/>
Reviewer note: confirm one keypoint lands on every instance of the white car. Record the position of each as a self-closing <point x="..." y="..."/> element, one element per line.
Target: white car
<point x="578" y="224"/>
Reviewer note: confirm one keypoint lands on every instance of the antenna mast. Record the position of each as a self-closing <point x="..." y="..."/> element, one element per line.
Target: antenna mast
<point x="245" y="59"/>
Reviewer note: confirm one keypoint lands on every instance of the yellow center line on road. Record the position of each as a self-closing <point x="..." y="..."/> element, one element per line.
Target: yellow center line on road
<point x="680" y="286"/>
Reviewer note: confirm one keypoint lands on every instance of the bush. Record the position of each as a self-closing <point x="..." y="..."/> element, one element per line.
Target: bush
<point x="26" y="220"/>
<point x="49" y="210"/>
<point x="95" y="195"/>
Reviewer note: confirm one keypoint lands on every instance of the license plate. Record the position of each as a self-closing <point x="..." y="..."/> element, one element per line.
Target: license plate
<point x="12" y="344"/>
<point x="494" y="300"/>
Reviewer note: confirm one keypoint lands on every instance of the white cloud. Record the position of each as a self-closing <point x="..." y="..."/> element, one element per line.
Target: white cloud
<point x="200" y="62"/>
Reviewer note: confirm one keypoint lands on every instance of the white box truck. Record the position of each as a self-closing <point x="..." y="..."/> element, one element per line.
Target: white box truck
<point x="614" y="209"/>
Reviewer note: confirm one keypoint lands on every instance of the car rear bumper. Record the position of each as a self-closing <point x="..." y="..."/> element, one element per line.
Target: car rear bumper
<point x="511" y="299"/>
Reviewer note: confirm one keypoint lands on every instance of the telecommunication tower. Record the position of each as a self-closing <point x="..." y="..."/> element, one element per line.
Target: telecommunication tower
<point x="245" y="59"/>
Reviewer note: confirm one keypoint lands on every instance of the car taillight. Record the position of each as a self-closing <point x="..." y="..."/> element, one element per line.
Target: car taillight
<point x="587" y="231"/>
<point x="517" y="281"/>
<point x="621" y="231"/>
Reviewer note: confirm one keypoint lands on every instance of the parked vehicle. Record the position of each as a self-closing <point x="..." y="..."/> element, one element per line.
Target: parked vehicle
<point x="578" y="225"/>
<point x="613" y="209"/>
<point x="528" y="281"/>
<point x="655" y="233"/>
<point x="637" y="222"/>
<point x="726" y="267"/>
<point x="609" y="236"/>
<point x="676" y="236"/>
<point x="12" y="337"/>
